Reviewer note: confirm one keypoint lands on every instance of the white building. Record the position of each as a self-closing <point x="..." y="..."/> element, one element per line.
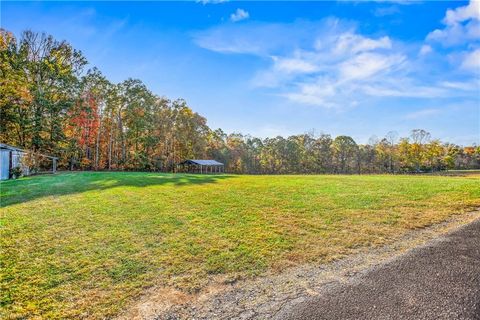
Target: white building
<point x="11" y="157"/>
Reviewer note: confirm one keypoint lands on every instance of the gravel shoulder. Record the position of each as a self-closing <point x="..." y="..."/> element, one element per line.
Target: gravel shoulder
<point x="376" y="280"/>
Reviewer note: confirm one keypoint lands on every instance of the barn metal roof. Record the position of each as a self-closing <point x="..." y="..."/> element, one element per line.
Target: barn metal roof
<point x="203" y="162"/>
<point x="9" y="147"/>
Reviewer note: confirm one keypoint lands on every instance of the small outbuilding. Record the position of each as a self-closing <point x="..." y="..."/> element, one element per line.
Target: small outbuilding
<point x="201" y="166"/>
<point x="12" y="157"/>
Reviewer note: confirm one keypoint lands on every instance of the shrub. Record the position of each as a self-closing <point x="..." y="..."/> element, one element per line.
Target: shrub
<point x="31" y="160"/>
<point x="16" y="172"/>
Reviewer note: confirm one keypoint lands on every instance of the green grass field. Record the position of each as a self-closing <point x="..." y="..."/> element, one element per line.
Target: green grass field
<point x="87" y="244"/>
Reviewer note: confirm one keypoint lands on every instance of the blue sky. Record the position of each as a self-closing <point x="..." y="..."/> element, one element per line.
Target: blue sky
<point x="281" y="68"/>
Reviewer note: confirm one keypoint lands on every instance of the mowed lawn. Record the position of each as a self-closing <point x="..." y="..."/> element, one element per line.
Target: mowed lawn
<point x="85" y="245"/>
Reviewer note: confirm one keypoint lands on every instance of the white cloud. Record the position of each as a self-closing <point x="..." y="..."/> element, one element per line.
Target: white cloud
<point x="461" y="26"/>
<point x="231" y="39"/>
<point x="402" y="2"/>
<point x="425" y="49"/>
<point x="471" y="61"/>
<point x="267" y="39"/>
<point x="471" y="11"/>
<point x="465" y="86"/>
<point x="456" y="34"/>
<point x="249" y="38"/>
<point x="354" y="43"/>
<point x="385" y="11"/>
<point x="405" y="89"/>
<point x="366" y="65"/>
<point x="336" y="69"/>
<point x="294" y="65"/>
<point x="405" y="2"/>
<point x="239" y="15"/>
<point x="422" y="114"/>
<point x="462" y="33"/>
<point x="204" y="2"/>
<point x="330" y="64"/>
<point x="322" y="92"/>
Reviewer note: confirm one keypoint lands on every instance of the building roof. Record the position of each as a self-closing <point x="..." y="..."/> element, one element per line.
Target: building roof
<point x="9" y="147"/>
<point x="203" y="162"/>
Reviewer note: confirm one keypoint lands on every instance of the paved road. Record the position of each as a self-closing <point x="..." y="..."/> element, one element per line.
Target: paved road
<point x="438" y="281"/>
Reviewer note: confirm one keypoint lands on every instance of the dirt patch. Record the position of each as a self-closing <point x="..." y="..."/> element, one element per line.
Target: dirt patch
<point x="156" y="301"/>
<point x="264" y="297"/>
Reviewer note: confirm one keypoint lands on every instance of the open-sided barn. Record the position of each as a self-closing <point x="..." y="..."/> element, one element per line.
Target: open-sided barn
<point x="202" y="166"/>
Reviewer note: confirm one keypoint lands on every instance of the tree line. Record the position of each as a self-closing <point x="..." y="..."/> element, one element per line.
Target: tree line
<point x="50" y="104"/>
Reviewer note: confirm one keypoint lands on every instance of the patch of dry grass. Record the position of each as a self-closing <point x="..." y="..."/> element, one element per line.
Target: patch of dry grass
<point x="87" y="244"/>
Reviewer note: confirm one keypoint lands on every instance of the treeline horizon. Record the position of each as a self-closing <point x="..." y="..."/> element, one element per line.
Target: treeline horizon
<point x="51" y="105"/>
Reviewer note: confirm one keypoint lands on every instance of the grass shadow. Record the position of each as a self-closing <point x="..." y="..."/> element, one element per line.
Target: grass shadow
<point x="31" y="188"/>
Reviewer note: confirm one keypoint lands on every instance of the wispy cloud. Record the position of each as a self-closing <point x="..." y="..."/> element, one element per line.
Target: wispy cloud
<point x="402" y="2"/>
<point x="262" y="39"/>
<point x="460" y="85"/>
<point x="204" y="2"/>
<point x="343" y="68"/>
<point x="232" y="39"/>
<point x="272" y="130"/>
<point x="294" y="65"/>
<point x="386" y="11"/>
<point x="239" y="15"/>
<point x="350" y="42"/>
<point x="329" y="63"/>
<point x="367" y="65"/>
<point x="406" y="89"/>
<point x="422" y="114"/>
